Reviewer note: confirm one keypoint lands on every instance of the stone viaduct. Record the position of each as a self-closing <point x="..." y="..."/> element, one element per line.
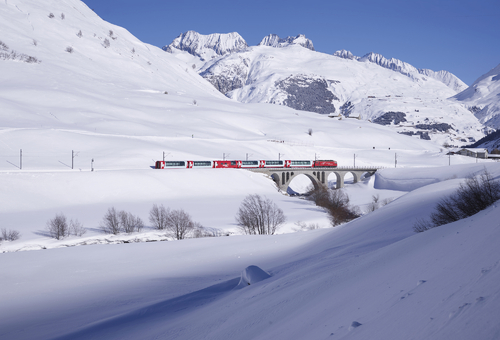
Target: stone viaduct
<point x="318" y="176"/>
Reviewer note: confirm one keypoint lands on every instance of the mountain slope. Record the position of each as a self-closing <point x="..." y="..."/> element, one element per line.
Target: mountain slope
<point x="315" y="82"/>
<point x="483" y="98"/>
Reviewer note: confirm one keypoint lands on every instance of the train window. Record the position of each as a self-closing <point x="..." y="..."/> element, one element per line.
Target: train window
<point x="301" y="162"/>
<point x="175" y="163"/>
<point x="250" y="162"/>
<point x="233" y="163"/>
<point x="274" y="162"/>
<point x="202" y="163"/>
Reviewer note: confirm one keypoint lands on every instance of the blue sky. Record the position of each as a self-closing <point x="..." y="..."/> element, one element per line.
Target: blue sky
<point x="462" y="37"/>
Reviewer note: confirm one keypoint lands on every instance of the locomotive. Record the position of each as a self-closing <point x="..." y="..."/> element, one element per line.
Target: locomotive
<point x="245" y="164"/>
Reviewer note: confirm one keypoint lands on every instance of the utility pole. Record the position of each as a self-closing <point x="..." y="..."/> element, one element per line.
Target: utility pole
<point x="164" y="156"/>
<point x="395" y="160"/>
<point x="92" y="165"/>
<point x="354" y="160"/>
<point x="73" y="155"/>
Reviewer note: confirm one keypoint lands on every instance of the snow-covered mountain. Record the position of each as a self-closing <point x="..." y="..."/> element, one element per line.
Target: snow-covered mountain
<point x="483" y="98"/>
<point x="370" y="88"/>
<point x="274" y="40"/>
<point x="207" y="46"/>
<point x="397" y="65"/>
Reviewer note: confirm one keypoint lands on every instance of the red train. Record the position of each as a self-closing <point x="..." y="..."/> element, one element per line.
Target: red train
<point x="245" y="164"/>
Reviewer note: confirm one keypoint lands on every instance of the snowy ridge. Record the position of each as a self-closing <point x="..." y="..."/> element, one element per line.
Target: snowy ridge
<point x="483" y="97"/>
<point x="274" y="40"/>
<point x="402" y="67"/>
<point x="203" y="46"/>
<point x="345" y="55"/>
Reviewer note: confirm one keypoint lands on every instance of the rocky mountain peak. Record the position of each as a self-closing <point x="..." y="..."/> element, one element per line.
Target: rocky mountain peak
<point x="274" y="40"/>
<point x="203" y="45"/>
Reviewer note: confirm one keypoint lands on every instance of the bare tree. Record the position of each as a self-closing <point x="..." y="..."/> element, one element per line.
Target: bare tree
<point x="258" y="215"/>
<point x="179" y="224"/>
<point x="159" y="217"/>
<point x="79" y="34"/>
<point x="110" y="223"/>
<point x="76" y="228"/>
<point x="9" y="235"/>
<point x="130" y="223"/>
<point x="58" y="227"/>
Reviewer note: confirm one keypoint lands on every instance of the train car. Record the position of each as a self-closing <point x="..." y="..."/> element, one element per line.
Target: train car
<point x="272" y="164"/>
<point x="171" y="165"/>
<point x="200" y="164"/>
<point x="250" y="164"/>
<point x="227" y="164"/>
<point x="325" y="164"/>
<point x="298" y="164"/>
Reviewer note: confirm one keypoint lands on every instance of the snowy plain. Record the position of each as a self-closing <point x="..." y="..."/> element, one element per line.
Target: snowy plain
<point x="371" y="278"/>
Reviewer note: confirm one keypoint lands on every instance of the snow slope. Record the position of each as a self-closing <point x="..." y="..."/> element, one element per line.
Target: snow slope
<point x="483" y="97"/>
<point x="371" y="277"/>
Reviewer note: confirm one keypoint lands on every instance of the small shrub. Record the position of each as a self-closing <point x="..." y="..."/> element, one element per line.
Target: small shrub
<point x="35" y="42"/>
<point x="106" y="43"/>
<point x="133" y="50"/>
<point x="336" y="203"/>
<point x="200" y="231"/>
<point x="3" y="46"/>
<point x="110" y="33"/>
<point x="58" y="227"/>
<point x="9" y="235"/>
<point x="195" y="102"/>
<point x="302" y="226"/>
<point x="476" y="193"/>
<point x="310" y="132"/>
<point x="422" y="225"/>
<point x="79" y="34"/>
<point x="69" y="49"/>
<point x="51" y="15"/>
<point x="63" y="16"/>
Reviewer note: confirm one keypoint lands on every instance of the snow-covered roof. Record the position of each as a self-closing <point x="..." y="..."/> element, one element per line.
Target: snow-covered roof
<point x="476" y="150"/>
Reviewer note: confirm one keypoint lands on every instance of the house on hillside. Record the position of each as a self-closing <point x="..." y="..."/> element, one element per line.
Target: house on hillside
<point x="474" y="152"/>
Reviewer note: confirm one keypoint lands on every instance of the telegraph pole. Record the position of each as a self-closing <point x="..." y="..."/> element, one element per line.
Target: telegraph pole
<point x="354" y="160"/>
